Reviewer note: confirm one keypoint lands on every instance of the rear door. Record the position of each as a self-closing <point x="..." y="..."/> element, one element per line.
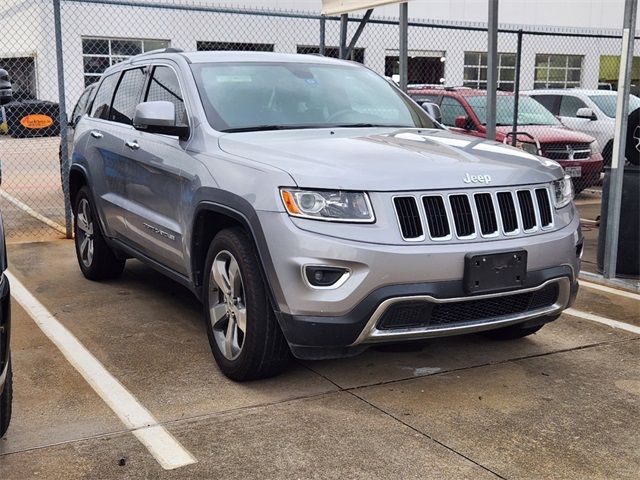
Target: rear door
<point x="156" y="177"/>
<point x="100" y="141"/>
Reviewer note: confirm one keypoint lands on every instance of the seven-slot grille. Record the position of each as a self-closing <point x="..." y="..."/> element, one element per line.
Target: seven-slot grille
<point x="469" y="215"/>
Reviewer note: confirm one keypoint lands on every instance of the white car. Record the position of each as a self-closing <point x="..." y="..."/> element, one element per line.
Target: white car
<point x="587" y="111"/>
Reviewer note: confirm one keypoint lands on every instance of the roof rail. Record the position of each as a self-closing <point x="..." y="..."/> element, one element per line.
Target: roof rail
<point x="160" y="50"/>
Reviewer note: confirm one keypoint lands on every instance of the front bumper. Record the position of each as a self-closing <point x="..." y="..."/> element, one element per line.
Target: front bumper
<point x="339" y="320"/>
<point x="590" y="169"/>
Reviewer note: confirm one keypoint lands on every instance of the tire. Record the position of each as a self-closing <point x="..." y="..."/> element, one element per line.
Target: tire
<point x="5" y="402"/>
<point x="235" y="296"/>
<point x="95" y="258"/>
<point x="512" y="332"/>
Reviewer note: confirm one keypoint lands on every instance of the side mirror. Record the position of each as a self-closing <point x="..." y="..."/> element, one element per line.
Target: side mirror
<point x="586" y="113"/>
<point x="433" y="111"/>
<point x="6" y="94"/>
<point x="158" y="117"/>
<point x="463" y="122"/>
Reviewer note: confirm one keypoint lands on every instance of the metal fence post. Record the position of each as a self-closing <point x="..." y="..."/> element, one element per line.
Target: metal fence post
<point x="323" y="32"/>
<point x="403" y="53"/>
<point x="516" y="89"/>
<point x="492" y="68"/>
<point x="62" y="118"/>
<point x="344" y="24"/>
<point x="620" y="137"/>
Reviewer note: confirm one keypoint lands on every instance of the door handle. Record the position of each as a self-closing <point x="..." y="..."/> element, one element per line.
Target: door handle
<point x="96" y="134"/>
<point x="132" y="144"/>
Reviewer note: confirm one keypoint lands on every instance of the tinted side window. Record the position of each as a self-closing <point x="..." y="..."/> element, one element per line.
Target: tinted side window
<point x="164" y="85"/>
<point x="451" y="108"/>
<point x="421" y="98"/>
<point x="102" y="102"/>
<point x="81" y="106"/>
<point x="570" y="105"/>
<point x="550" y="102"/>
<point x="127" y="96"/>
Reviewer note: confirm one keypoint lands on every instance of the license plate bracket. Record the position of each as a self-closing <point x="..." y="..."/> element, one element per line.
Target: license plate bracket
<point x="494" y="272"/>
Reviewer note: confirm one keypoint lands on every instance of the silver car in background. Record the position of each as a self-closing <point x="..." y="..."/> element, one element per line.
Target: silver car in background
<point x="314" y="208"/>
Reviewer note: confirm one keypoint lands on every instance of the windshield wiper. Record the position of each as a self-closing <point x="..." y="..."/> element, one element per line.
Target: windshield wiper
<point x="262" y="128"/>
<point x="369" y="125"/>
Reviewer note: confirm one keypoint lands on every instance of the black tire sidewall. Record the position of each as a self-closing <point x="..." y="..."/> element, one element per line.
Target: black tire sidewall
<point x="257" y="304"/>
<point x="5" y="401"/>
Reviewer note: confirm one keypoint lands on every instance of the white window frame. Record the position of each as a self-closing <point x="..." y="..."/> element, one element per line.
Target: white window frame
<point x="479" y="66"/>
<point x="551" y="83"/>
<point x="113" y="59"/>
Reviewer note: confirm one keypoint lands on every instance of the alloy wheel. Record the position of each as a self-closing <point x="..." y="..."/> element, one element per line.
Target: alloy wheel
<point x="84" y="233"/>
<point x="227" y="307"/>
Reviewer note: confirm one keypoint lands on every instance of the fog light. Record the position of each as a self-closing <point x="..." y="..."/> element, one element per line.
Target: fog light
<point x="323" y="277"/>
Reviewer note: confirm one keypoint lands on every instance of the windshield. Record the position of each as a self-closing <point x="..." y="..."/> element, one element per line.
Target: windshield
<point x="530" y="111"/>
<point x="265" y="96"/>
<point x="607" y="103"/>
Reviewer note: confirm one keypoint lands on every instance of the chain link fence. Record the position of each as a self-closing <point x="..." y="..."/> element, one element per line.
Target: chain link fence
<point x="447" y="65"/>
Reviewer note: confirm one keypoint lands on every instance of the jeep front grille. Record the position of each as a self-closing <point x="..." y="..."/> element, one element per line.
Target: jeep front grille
<point x="470" y="215"/>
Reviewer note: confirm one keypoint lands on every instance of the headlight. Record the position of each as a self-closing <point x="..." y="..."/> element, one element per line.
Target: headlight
<point x="562" y="192"/>
<point x="332" y="206"/>
<point x="595" y="148"/>
<point x="531" y="148"/>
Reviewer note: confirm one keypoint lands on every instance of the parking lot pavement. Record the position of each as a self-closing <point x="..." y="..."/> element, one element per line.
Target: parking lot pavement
<point x="561" y="404"/>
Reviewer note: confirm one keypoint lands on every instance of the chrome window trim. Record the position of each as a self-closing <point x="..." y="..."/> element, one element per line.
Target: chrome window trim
<point x="371" y="334"/>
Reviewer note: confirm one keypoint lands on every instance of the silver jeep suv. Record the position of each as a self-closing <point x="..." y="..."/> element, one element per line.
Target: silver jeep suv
<point x="314" y="208"/>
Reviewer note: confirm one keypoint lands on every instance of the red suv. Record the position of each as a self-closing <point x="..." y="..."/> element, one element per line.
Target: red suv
<point x="539" y="132"/>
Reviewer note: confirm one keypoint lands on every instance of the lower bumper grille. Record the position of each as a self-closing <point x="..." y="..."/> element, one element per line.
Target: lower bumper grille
<point x="412" y="313"/>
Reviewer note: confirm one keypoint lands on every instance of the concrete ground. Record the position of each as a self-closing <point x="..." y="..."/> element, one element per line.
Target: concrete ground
<point x="564" y="403"/>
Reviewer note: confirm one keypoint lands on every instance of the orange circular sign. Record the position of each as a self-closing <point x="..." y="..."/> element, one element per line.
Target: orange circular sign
<point x="36" y="121"/>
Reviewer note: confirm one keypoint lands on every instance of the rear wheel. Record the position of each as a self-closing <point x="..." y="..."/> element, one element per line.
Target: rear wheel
<point x="5" y="402"/>
<point x="243" y="331"/>
<point x="96" y="259"/>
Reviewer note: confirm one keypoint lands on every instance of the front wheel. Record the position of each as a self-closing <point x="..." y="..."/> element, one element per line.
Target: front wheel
<point x="96" y="259"/>
<point x="243" y="331"/>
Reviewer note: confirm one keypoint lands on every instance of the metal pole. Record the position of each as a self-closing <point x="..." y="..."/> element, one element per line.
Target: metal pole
<point x="62" y="119"/>
<point x="323" y="31"/>
<point x="344" y="20"/>
<point x="516" y="89"/>
<point x="492" y="68"/>
<point x="403" y="54"/>
<point x="616" y="174"/>
<point x="356" y="36"/>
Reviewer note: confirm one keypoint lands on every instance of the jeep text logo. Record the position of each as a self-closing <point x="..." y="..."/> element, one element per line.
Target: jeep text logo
<point x="477" y="179"/>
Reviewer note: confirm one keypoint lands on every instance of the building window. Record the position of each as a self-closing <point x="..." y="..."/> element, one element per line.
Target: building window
<point x="475" y="70"/>
<point x="610" y="69"/>
<point x="251" y="47"/>
<point x="558" y="71"/>
<point x="357" y="54"/>
<point x="22" y="73"/>
<point x="98" y="54"/>
<point x="424" y="67"/>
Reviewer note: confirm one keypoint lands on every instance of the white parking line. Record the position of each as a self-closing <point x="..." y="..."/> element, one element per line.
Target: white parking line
<point x="160" y="443"/>
<point x="614" y="291"/>
<point x="605" y="321"/>
<point x="30" y="211"/>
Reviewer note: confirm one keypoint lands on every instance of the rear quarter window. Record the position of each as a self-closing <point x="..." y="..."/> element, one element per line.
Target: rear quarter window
<point x="102" y="102"/>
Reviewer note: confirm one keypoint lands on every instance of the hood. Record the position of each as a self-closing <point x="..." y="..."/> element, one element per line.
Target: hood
<point x="546" y="134"/>
<point x="388" y="159"/>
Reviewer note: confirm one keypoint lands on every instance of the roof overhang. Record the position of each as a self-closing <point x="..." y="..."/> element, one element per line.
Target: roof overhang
<point x="336" y="7"/>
